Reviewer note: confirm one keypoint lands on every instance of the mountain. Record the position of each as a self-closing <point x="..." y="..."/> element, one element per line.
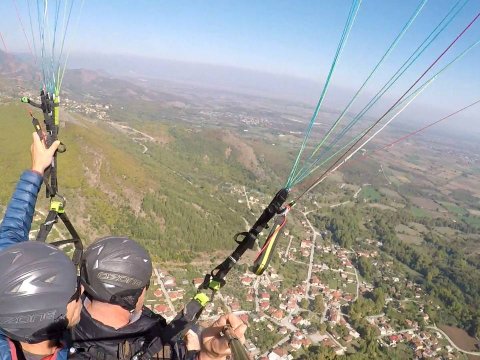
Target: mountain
<point x="208" y="76"/>
<point x="13" y="66"/>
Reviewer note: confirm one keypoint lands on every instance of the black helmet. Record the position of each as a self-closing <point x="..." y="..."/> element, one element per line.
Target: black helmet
<point x="115" y="270"/>
<point x="37" y="281"/>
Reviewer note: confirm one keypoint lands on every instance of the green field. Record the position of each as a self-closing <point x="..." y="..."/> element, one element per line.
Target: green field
<point x="418" y="212"/>
<point x="371" y="194"/>
<point x="454" y="209"/>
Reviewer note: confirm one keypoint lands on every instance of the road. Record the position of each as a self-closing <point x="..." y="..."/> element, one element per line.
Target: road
<point x="312" y="252"/>
<point x="356" y="194"/>
<point x="246" y="198"/>
<point x="384" y="175"/>
<point x="339" y="204"/>
<point x="358" y="283"/>
<point x="285" y="259"/>
<point x="165" y="293"/>
<point x="137" y="140"/>
<point x="477" y="353"/>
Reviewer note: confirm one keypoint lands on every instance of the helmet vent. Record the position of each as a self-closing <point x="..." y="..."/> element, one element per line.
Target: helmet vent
<point x="18" y="254"/>
<point x="25" y="287"/>
<point x="51" y="279"/>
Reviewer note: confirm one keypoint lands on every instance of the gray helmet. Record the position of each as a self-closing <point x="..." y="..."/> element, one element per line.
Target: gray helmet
<point x="37" y="281"/>
<point x="115" y="270"/>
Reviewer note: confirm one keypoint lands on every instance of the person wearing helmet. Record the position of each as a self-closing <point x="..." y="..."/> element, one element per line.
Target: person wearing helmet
<point x="39" y="290"/>
<point x="116" y="273"/>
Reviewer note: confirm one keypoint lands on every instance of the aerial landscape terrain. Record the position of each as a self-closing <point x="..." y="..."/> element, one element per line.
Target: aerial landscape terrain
<point x="183" y="120"/>
<point x="381" y="260"/>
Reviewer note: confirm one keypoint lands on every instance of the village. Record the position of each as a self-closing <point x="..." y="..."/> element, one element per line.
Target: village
<point x="280" y="315"/>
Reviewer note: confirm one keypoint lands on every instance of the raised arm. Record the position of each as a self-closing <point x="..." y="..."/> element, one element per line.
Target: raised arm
<point x="17" y="221"/>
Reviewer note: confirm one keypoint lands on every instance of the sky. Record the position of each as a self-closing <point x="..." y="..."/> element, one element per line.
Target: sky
<point x="296" y="38"/>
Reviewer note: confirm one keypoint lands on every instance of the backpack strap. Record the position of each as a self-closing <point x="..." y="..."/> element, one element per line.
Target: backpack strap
<point x="16" y="351"/>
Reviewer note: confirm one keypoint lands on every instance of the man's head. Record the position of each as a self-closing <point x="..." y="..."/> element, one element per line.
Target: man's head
<point x="39" y="292"/>
<point x="116" y="270"/>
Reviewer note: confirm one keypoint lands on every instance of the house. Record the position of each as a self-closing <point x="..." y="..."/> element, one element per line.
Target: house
<point x="295" y="344"/>
<point x="291" y="305"/>
<point x="246" y="281"/>
<point x="265" y="296"/>
<point x="169" y="283"/>
<point x="278" y="315"/>
<point x="394" y="339"/>
<point x="235" y="306"/>
<point x="197" y="282"/>
<point x="306" y="244"/>
<point x="279" y="354"/>
<point x="315" y="281"/>
<point x="161" y="308"/>
<point x="333" y="315"/>
<point x="306" y="342"/>
<point x="175" y="295"/>
<point x="296" y="320"/>
<point x="353" y="333"/>
<point x="264" y="305"/>
<point x="336" y="295"/>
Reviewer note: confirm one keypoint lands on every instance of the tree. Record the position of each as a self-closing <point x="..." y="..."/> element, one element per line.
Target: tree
<point x="304" y="303"/>
<point x="365" y="267"/>
<point x="318" y="304"/>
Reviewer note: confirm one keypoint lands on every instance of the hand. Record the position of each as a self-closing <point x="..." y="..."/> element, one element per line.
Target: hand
<point x="215" y="346"/>
<point x="41" y="156"/>
<point x="192" y="341"/>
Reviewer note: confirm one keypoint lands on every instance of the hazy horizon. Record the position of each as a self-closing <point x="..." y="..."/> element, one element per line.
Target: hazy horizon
<point x="296" y="43"/>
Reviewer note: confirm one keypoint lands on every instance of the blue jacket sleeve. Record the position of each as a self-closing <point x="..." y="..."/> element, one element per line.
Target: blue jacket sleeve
<point x="17" y="221"/>
<point x="4" y="348"/>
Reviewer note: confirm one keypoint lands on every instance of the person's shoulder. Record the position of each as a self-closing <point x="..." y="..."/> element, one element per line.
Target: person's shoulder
<point x="4" y="348"/>
<point x="62" y="354"/>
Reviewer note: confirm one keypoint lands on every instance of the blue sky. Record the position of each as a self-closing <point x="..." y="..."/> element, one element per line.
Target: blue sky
<point x="287" y="37"/>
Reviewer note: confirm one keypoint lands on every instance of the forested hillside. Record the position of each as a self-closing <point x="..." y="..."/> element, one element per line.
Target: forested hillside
<point x="172" y="197"/>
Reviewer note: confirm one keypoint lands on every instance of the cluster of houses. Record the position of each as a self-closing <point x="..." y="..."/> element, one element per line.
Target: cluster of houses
<point x="280" y="311"/>
<point x="426" y="345"/>
<point x="100" y="111"/>
<point x="175" y="293"/>
<point x="236" y="117"/>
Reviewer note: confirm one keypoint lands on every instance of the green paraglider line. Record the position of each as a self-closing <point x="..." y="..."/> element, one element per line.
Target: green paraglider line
<point x="401" y="100"/>
<point x="376" y="67"/>
<point x="310" y="168"/>
<point x="346" y="31"/>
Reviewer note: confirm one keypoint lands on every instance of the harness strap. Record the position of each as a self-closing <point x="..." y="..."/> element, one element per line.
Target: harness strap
<point x="16" y="351"/>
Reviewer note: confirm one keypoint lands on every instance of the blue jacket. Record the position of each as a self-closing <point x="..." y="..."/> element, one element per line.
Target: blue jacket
<point x="17" y="221"/>
<point x="15" y="227"/>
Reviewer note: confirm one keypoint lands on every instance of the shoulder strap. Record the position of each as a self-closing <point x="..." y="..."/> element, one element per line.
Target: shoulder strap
<point x="15" y="350"/>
